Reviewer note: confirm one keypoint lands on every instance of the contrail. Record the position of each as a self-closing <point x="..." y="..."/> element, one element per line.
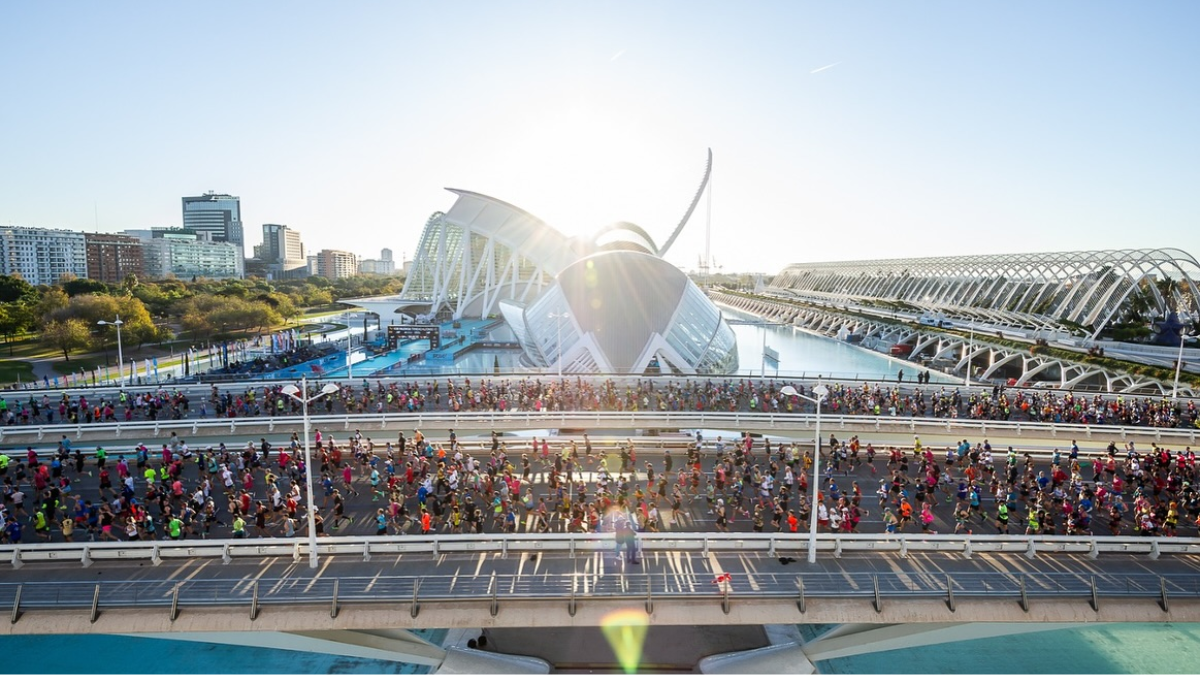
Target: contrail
<point x="814" y="72"/>
<point x="616" y="56"/>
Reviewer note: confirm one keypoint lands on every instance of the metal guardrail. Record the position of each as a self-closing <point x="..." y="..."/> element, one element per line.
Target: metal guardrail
<point x="771" y="544"/>
<point x="757" y="422"/>
<point x="495" y="589"/>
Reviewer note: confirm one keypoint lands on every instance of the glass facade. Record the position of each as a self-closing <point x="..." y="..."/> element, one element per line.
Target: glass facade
<point x="625" y="311"/>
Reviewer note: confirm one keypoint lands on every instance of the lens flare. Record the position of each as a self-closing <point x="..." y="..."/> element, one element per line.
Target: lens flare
<point x="625" y="631"/>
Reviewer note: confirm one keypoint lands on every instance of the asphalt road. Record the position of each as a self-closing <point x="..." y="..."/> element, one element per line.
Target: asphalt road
<point x="695" y="513"/>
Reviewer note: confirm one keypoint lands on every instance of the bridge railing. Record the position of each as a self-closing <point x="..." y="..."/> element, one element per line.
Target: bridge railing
<point x="764" y="422"/>
<point x="769" y="544"/>
<point x="575" y="587"/>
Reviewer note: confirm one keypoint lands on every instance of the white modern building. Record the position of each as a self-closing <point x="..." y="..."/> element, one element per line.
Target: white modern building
<point x="42" y="256"/>
<point x="183" y="254"/>
<point x="607" y="302"/>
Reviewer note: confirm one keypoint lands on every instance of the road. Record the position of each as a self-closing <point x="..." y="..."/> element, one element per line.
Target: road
<point x="695" y="513"/>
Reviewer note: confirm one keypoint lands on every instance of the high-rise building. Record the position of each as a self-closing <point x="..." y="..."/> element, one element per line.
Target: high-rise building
<point x="384" y="265"/>
<point x="336" y="264"/>
<point x="113" y="257"/>
<point x="220" y="215"/>
<point x="184" y="254"/>
<point x="281" y="243"/>
<point x="42" y="256"/>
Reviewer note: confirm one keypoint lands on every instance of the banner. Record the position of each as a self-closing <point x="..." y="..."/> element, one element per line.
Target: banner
<point x="156" y="367"/>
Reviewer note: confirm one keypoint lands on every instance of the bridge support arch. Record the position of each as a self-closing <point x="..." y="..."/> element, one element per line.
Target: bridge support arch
<point x="854" y="639"/>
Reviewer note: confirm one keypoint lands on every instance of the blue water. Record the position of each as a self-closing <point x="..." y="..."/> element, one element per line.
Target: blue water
<point x="122" y="654"/>
<point x="1102" y="648"/>
<point x="805" y="355"/>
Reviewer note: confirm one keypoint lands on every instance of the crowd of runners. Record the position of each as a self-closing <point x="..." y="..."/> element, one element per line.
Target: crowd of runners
<point x="418" y="486"/>
<point x="597" y="394"/>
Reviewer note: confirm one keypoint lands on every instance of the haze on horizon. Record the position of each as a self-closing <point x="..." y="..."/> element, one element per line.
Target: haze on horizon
<point x="839" y="131"/>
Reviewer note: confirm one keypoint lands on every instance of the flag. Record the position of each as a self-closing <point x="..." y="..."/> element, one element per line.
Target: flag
<point x="147" y="362"/>
<point x="156" y="366"/>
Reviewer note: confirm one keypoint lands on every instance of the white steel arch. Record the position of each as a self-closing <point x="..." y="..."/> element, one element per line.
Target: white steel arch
<point x="1094" y="289"/>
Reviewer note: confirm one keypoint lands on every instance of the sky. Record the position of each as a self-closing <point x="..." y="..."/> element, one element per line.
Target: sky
<point x="839" y="131"/>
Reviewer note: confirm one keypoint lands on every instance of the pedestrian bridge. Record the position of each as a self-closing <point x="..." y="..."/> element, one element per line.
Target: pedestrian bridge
<point x="369" y="583"/>
<point x="987" y="361"/>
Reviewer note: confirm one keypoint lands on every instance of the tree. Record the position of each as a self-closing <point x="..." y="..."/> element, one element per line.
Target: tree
<point x="15" y="289"/>
<point x="14" y="318"/>
<point x="66" y="335"/>
<point x="78" y="286"/>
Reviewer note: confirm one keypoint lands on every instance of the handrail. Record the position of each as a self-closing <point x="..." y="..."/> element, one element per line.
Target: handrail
<point x="766" y="543"/>
<point x="170" y="594"/>
<point x="766" y="422"/>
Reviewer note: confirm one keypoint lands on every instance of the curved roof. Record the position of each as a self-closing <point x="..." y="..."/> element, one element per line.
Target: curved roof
<point x="1090" y="288"/>
<point x="623" y="298"/>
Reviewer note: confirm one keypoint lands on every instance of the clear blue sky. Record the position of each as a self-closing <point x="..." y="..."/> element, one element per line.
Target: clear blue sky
<point x="839" y="130"/>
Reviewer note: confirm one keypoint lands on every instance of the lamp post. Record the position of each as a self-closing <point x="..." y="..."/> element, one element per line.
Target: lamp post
<point x="120" y="355"/>
<point x="1178" y="365"/>
<point x="821" y="391"/>
<point x="293" y="392"/>
<point x="560" y="316"/>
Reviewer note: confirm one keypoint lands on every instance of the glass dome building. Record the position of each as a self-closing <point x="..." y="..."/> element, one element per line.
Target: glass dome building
<point x="624" y="311"/>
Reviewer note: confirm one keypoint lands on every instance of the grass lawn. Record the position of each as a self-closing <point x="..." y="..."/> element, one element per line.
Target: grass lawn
<point x="10" y="370"/>
<point x="87" y="362"/>
<point x="319" y="310"/>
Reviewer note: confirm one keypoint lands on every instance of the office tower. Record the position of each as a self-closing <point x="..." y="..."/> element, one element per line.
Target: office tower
<point x="218" y="214"/>
<point x="281" y="243"/>
<point x="336" y="264"/>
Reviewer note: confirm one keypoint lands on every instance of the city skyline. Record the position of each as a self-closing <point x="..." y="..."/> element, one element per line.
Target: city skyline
<point x="838" y="132"/>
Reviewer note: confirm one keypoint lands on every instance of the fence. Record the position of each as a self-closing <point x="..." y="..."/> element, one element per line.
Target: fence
<point x="798" y="424"/>
<point x="571" y="545"/>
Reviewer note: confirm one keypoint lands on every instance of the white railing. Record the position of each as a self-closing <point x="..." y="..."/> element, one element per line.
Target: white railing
<point x="768" y="423"/>
<point x="770" y="544"/>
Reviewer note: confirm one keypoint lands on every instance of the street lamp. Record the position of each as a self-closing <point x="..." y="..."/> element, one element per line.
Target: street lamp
<point x="120" y="356"/>
<point x="560" y="316"/>
<point x="821" y="391"/>
<point x="1178" y="364"/>
<point x="293" y="392"/>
